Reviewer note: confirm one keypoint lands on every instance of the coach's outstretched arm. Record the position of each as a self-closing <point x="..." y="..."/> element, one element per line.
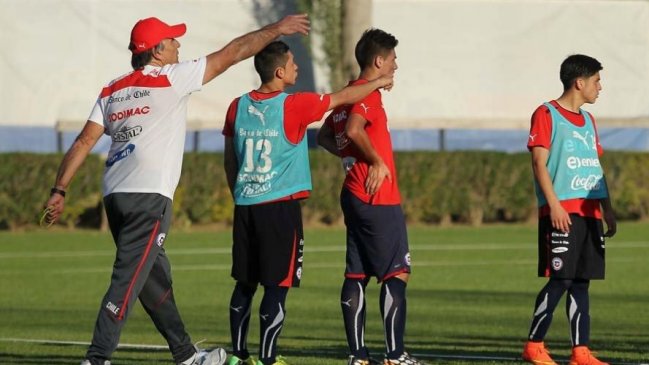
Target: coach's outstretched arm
<point x="250" y="44"/>
<point x="72" y="160"/>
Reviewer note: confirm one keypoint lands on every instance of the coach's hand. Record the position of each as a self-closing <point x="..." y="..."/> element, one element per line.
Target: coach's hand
<point x="611" y="223"/>
<point x="560" y="218"/>
<point x="53" y="208"/>
<point x="291" y="24"/>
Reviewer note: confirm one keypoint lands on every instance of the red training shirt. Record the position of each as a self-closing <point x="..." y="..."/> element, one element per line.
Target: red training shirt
<point x="371" y="109"/>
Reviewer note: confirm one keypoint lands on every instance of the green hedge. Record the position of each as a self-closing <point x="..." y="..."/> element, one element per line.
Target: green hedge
<point x="437" y="188"/>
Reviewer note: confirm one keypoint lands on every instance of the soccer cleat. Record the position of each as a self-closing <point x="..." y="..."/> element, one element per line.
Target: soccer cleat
<point x="237" y="361"/>
<point x="355" y="361"/>
<point x="214" y="357"/>
<point x="279" y="360"/>
<point x="537" y="354"/>
<point x="404" y="359"/>
<point x="581" y="355"/>
<point x="87" y="362"/>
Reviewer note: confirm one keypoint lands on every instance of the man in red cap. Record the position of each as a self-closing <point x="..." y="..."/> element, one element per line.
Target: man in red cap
<point x="145" y="114"/>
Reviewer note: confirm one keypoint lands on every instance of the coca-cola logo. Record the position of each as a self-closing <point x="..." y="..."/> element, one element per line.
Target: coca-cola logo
<point x="588" y="183"/>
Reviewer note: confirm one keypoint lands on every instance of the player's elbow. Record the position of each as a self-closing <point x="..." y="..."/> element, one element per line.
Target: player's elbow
<point x="353" y="132"/>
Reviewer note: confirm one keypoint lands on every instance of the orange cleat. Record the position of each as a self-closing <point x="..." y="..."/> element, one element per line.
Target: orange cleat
<point x="581" y="355"/>
<point x="537" y="354"/>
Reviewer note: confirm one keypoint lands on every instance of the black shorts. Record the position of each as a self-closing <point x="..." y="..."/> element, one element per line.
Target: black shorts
<point x="578" y="254"/>
<point x="377" y="241"/>
<point x="268" y="244"/>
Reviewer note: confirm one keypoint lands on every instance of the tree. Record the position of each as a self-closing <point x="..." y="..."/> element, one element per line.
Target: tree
<point x="340" y="24"/>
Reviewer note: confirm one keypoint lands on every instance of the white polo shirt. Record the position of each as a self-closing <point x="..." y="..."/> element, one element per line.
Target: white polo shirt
<point x="145" y="114"/>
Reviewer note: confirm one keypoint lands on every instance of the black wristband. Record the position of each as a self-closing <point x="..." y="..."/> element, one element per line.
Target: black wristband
<point x="57" y="191"/>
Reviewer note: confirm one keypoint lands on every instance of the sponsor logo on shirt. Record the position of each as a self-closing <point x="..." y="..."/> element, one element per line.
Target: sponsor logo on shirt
<point x="114" y="117"/>
<point x="559" y="249"/>
<point x="584" y="139"/>
<point x="141" y="94"/>
<point x="125" y="134"/>
<point x="588" y="183"/>
<point x="258" y="113"/>
<point x="120" y="155"/>
<point x="340" y="117"/>
<point x="576" y="162"/>
<point x="341" y="140"/>
<point x="118" y="99"/>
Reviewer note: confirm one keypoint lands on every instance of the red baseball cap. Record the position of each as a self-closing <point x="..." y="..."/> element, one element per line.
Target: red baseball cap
<point x="149" y="32"/>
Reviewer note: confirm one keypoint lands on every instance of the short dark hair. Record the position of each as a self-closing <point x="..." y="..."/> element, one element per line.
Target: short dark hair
<point x="576" y="66"/>
<point x="374" y="42"/>
<point x="139" y="60"/>
<point x="269" y="59"/>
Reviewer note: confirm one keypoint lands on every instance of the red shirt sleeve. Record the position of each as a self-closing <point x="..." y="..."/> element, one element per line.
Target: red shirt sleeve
<point x="541" y="129"/>
<point x="230" y="116"/>
<point x="302" y="109"/>
<point x="368" y="106"/>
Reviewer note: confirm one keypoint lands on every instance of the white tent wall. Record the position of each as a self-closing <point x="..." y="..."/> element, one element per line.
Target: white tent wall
<point x="58" y="54"/>
<point x="490" y="63"/>
<point x="462" y="63"/>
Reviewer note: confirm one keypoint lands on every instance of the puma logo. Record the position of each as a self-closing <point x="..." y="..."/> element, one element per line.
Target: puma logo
<point x="365" y="108"/>
<point x="583" y="138"/>
<point x="532" y="137"/>
<point x="260" y="114"/>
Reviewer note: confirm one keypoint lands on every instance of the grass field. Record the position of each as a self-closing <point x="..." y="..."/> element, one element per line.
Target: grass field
<point x="469" y="301"/>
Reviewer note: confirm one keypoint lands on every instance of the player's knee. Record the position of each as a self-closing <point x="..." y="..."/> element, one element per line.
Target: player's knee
<point x="403" y="277"/>
<point x="247" y="288"/>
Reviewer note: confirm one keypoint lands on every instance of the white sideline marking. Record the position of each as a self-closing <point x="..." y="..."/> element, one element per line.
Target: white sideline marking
<point x="310" y="351"/>
<point x="81" y="343"/>
<point x="339" y="265"/>
<point x="339" y="248"/>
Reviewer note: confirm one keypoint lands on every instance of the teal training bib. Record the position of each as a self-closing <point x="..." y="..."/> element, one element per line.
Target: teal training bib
<point x="270" y="166"/>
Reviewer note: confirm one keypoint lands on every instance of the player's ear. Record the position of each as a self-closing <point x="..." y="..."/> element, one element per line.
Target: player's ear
<point x="280" y="72"/>
<point x="378" y="61"/>
<point x="579" y="83"/>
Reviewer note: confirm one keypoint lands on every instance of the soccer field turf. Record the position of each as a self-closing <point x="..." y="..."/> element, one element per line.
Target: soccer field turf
<point x="469" y="300"/>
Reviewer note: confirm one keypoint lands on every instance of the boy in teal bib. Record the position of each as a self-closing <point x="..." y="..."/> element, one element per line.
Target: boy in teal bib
<point x="573" y="198"/>
<point x="267" y="167"/>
